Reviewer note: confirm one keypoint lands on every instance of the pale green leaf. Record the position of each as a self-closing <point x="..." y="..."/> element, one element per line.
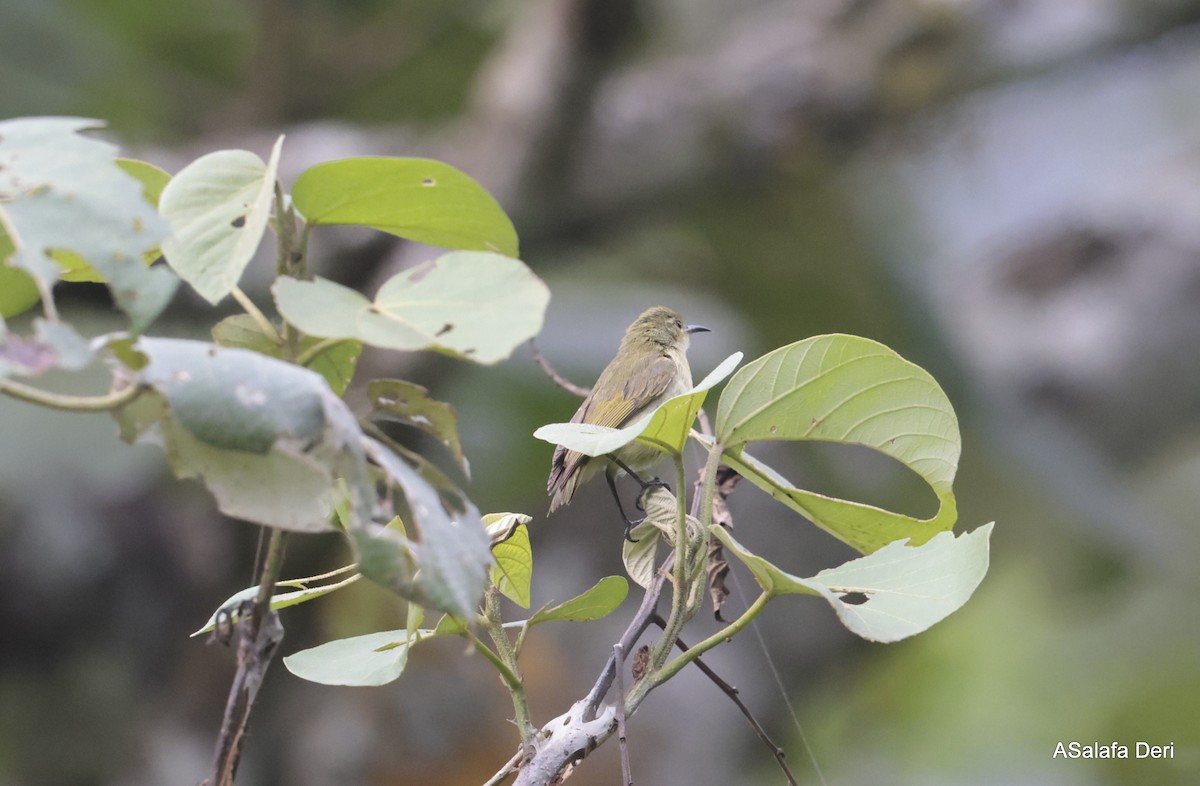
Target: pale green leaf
<point x="64" y="192"/>
<point x="666" y="427"/>
<point x="414" y="198"/>
<point x="513" y="571"/>
<point x="470" y="304"/>
<point x="269" y="439"/>
<point x="218" y="207"/>
<point x="153" y="180"/>
<point x="599" y="601"/>
<point x="897" y="592"/>
<point x="447" y="568"/>
<point x="372" y="659"/>
<point x="639" y="555"/>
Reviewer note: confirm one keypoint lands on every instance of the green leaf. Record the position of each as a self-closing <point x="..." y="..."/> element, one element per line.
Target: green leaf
<point x="278" y="601"/>
<point x="897" y="592"/>
<point x="447" y="569"/>
<point x="63" y="192"/>
<point x="666" y="427"/>
<point x="513" y="571"/>
<point x="218" y="207"/>
<point x="268" y="438"/>
<point x="850" y="390"/>
<point x="18" y="290"/>
<point x="470" y="304"/>
<point x="410" y="404"/>
<point x="373" y="659"/>
<point x="599" y="601"/>
<point x="153" y="179"/>
<point x="414" y="198"/>
<point x="336" y="362"/>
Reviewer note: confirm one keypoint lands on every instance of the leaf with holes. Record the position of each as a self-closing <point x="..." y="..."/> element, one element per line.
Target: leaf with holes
<point x="268" y="438"/>
<point x="470" y="304"/>
<point x="218" y="207"/>
<point x="64" y="192"/>
<point x="897" y="592"/>
<point x="410" y="404"/>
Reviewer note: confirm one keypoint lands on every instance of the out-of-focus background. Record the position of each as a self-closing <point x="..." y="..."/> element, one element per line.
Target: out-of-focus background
<point x="1005" y="191"/>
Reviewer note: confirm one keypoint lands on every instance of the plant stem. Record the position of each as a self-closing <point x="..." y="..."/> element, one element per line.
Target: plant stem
<point x="258" y="316"/>
<point x="45" y="398"/>
<point x="508" y="656"/>
<point x="679" y="595"/>
<point x="725" y="634"/>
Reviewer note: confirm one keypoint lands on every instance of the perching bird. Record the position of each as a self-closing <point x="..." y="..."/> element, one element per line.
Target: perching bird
<point x="650" y="366"/>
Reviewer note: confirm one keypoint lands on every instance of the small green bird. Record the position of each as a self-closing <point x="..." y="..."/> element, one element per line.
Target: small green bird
<point x="651" y="366"/>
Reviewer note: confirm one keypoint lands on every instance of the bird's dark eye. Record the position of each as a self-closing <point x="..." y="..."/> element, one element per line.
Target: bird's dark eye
<point x="678" y="324"/>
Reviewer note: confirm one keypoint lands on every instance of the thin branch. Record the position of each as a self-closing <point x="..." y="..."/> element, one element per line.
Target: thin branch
<point x="258" y="640"/>
<point x="555" y="377"/>
<point x="507" y="770"/>
<point x="44" y="398"/>
<point x="619" y="656"/>
<point x="732" y="693"/>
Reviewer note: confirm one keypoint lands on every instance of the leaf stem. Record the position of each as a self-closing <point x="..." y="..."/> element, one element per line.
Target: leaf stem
<point x="258" y="316"/>
<point x="306" y="357"/>
<point x="45" y="398"/>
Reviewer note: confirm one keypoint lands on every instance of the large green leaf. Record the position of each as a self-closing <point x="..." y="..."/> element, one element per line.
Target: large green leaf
<point x="63" y="192"/>
<point x="268" y="438"/>
<point x="897" y="592"/>
<point x="414" y="198"/>
<point x="850" y="390"/>
<point x="666" y="426"/>
<point x="218" y="207"/>
<point x="472" y="304"/>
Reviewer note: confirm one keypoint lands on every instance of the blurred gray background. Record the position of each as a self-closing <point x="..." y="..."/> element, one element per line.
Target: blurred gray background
<point x="1004" y="191"/>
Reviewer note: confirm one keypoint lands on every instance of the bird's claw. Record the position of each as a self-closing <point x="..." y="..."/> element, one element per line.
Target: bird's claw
<point x="653" y="483"/>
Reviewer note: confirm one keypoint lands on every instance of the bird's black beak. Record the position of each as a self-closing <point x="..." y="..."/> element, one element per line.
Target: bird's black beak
<point x="697" y="329"/>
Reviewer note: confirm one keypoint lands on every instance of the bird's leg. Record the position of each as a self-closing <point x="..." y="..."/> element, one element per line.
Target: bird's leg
<point x="645" y="484"/>
<point x="611" y="476"/>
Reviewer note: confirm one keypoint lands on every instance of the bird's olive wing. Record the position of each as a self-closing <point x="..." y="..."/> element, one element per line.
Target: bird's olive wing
<point x="614" y="404"/>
